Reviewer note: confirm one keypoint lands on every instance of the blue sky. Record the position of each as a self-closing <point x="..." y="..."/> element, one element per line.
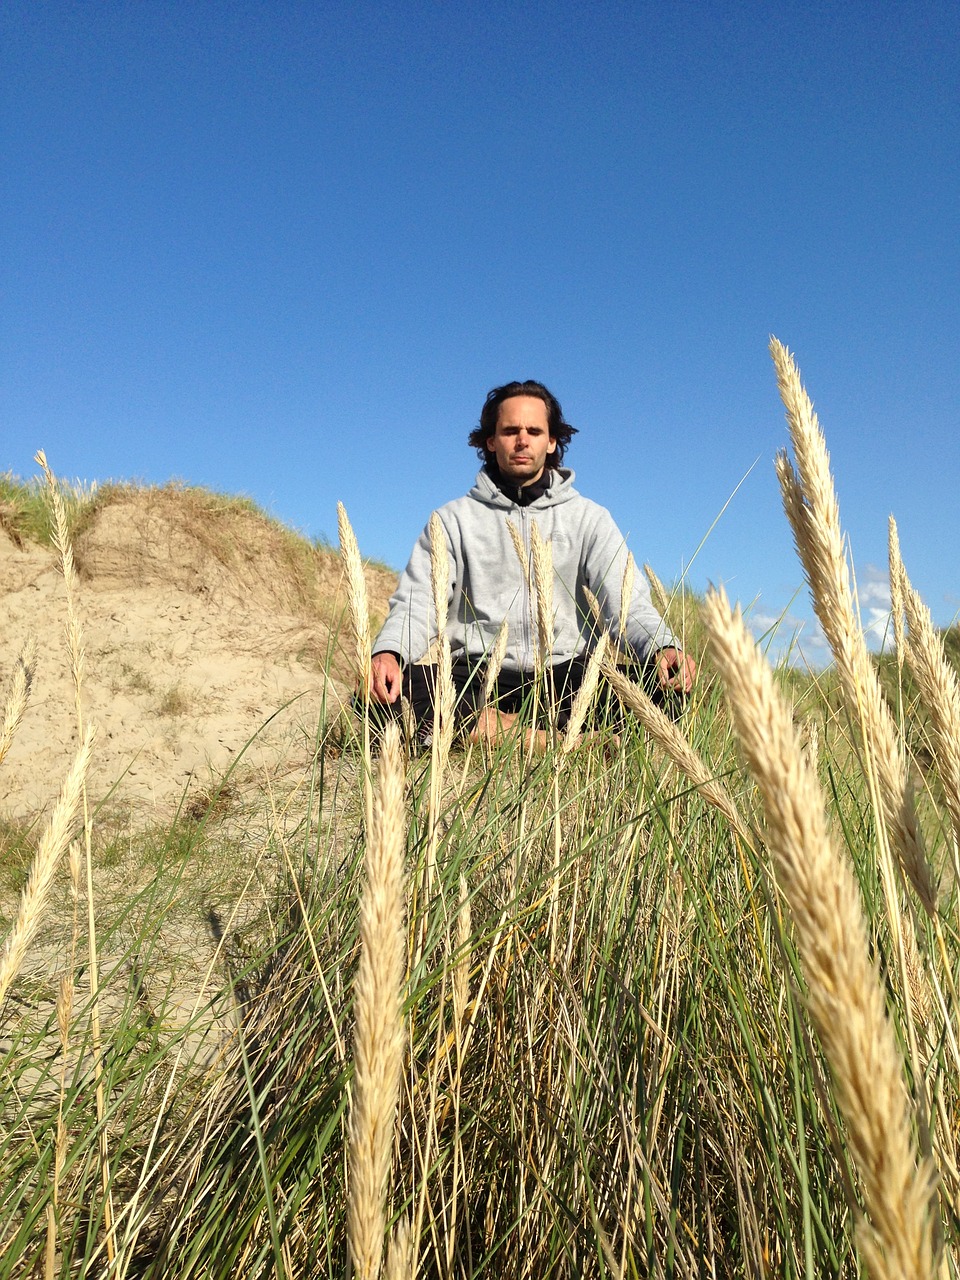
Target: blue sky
<point x="286" y="249"/>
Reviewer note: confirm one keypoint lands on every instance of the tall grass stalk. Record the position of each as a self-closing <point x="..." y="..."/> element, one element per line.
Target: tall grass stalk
<point x="360" y="621"/>
<point x="844" y="991"/>
<point x="940" y="691"/>
<point x="670" y="738"/>
<point x="77" y="655"/>
<point x="810" y="503"/>
<point x="897" y="587"/>
<point x="379" y="1038"/>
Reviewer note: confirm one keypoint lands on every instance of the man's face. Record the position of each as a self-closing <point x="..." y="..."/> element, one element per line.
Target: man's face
<point x="522" y="439"/>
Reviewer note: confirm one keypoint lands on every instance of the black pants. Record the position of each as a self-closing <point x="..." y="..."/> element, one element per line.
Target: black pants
<point x="514" y="691"/>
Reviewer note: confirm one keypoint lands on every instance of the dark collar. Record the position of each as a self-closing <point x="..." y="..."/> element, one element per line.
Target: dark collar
<point x="522" y="495"/>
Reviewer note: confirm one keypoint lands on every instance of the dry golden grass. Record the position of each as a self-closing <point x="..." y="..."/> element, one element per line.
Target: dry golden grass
<point x="18" y="697"/>
<point x="810" y="503"/>
<point x="357" y="595"/>
<point x="541" y="555"/>
<point x="516" y="537"/>
<point x="658" y="592"/>
<point x="671" y="739"/>
<point x="596" y="1063"/>
<point x="626" y="595"/>
<point x="495" y="661"/>
<point x="53" y="844"/>
<point x="897" y="583"/>
<point x="585" y="695"/>
<point x="940" y="691"/>
<point x="379" y="1035"/>
<point x="844" y="990"/>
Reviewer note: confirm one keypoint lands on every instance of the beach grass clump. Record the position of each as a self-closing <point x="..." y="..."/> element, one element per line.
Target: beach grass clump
<point x="621" y="1007"/>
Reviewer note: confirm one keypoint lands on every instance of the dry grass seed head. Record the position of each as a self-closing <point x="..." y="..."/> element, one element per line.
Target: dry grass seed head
<point x="595" y="609"/>
<point x="440" y="585"/>
<point x="670" y="738"/>
<point x="379" y="1036"/>
<point x="516" y="537"/>
<point x="940" y="692"/>
<point x="19" y="695"/>
<point x="542" y="556"/>
<point x="810" y="503"/>
<point x="439" y="572"/>
<point x="898" y="585"/>
<point x="845" y="995"/>
<point x="658" y="592"/>
<point x="36" y="891"/>
<point x="399" y="1264"/>
<point x="495" y="661"/>
<point x="626" y="595"/>
<point x="356" y="592"/>
<point x="585" y="695"/>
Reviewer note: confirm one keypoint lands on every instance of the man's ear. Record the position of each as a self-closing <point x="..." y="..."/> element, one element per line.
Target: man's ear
<point x="488" y="444"/>
<point x="552" y="446"/>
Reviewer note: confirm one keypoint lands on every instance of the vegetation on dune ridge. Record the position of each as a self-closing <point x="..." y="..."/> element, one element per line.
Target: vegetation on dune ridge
<point x="190" y="537"/>
<point x="26" y="514"/>
<point x="624" y="1008"/>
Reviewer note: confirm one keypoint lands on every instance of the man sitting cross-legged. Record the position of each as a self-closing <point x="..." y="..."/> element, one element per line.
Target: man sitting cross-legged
<point x="522" y="438"/>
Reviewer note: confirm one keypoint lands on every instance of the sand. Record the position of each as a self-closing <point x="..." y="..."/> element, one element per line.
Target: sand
<point x="201" y="647"/>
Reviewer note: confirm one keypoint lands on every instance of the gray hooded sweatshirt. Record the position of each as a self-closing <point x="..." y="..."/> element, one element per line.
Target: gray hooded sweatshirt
<point x="488" y="585"/>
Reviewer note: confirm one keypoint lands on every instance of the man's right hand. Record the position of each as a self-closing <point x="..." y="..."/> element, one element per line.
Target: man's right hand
<point x="385" y="677"/>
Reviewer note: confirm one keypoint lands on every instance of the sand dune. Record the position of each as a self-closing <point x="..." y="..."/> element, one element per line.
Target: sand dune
<point x="203" y="629"/>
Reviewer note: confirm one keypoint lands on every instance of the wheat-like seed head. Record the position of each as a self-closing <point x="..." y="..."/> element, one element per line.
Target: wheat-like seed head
<point x="810" y="504"/>
<point x="595" y="609"/>
<point x="356" y="593"/>
<point x="845" y="994"/>
<point x="516" y="537"/>
<point x="53" y="842"/>
<point x="61" y="538"/>
<point x="666" y="734"/>
<point x="439" y="572"/>
<point x="400" y="1253"/>
<point x="542" y="556"/>
<point x="495" y="661"/>
<point x="19" y="695"/>
<point x="626" y="595"/>
<point x="940" y="691"/>
<point x="585" y="694"/>
<point x="898" y="584"/>
<point x="810" y="738"/>
<point x="658" y="592"/>
<point x="379" y="1037"/>
<point x="64" y="549"/>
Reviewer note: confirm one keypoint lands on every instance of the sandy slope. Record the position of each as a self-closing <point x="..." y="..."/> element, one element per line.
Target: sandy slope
<point x="196" y="632"/>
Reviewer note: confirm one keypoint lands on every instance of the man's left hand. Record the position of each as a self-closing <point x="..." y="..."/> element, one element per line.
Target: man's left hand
<point x="675" y="670"/>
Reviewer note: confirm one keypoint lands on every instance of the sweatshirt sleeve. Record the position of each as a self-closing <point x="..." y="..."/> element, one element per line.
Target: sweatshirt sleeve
<point x="605" y="560"/>
<point x="410" y="627"/>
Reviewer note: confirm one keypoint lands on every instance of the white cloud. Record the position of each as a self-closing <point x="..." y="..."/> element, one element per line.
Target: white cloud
<point x="873" y="594"/>
<point x="789" y="637"/>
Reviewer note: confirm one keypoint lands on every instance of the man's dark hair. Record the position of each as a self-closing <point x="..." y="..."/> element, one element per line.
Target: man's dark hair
<point x="560" y="430"/>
